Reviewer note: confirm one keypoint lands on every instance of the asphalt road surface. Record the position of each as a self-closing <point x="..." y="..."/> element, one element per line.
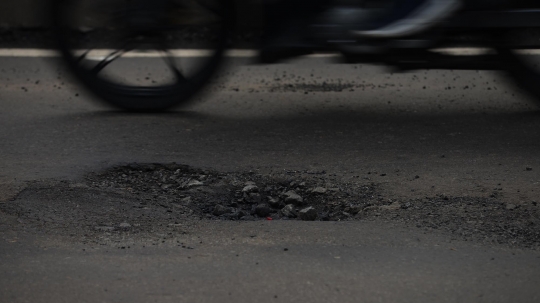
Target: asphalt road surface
<point x="464" y="137"/>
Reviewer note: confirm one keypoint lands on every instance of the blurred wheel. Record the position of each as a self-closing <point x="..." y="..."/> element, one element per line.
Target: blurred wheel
<point x="522" y="60"/>
<point x="142" y="55"/>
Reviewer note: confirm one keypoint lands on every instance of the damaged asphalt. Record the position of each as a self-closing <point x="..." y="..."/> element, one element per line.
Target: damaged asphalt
<point x="303" y="182"/>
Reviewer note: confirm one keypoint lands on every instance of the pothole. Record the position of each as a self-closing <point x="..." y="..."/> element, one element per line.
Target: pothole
<point x="162" y="199"/>
<point x="240" y="195"/>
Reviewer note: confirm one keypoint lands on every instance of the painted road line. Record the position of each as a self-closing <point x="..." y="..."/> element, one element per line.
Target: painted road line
<point x="46" y="53"/>
<point x="100" y="54"/>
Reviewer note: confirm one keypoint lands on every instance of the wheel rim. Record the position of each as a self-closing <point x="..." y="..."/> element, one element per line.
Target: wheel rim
<point x="137" y="49"/>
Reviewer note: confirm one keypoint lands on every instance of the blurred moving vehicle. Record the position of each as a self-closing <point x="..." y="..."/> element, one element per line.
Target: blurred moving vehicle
<point x="99" y="38"/>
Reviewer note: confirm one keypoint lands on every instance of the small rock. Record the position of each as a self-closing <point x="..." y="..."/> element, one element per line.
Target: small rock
<point x="528" y="168"/>
<point x="124" y="225"/>
<point x="275" y="216"/>
<point x="288" y="211"/>
<point x="354" y="209"/>
<point x="194" y="183"/>
<point x="325" y="216"/>
<point x="185" y="200"/>
<point x="510" y="206"/>
<point x="338" y="216"/>
<point x="318" y="190"/>
<point x="308" y="214"/>
<point x="274" y="202"/>
<point x="252" y="188"/>
<point x="235" y="215"/>
<point x="393" y="206"/>
<point x="294" y="198"/>
<point x="104" y="228"/>
<point x="220" y="210"/>
<point x="78" y="185"/>
<point x="252" y="198"/>
<point x="263" y="210"/>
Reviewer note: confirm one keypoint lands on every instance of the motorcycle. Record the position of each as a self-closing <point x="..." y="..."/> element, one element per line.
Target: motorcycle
<point x="106" y="43"/>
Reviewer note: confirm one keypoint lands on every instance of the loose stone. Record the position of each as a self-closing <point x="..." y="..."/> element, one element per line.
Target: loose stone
<point x="252" y="188"/>
<point x="221" y="210"/>
<point x="308" y="214"/>
<point x="294" y="198"/>
<point x="318" y="190"/>
<point x="104" y="228"/>
<point x="252" y="198"/>
<point x="274" y="202"/>
<point x="510" y="206"/>
<point x="288" y="211"/>
<point x="194" y="183"/>
<point x="393" y="206"/>
<point x="262" y="210"/>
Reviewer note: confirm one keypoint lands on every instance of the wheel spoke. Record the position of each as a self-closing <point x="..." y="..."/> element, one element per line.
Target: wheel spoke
<point x="171" y="63"/>
<point x="108" y="60"/>
<point x="128" y="46"/>
<point x="90" y="45"/>
<point x="83" y="56"/>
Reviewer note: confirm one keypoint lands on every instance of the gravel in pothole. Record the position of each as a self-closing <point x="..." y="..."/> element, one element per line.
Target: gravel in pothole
<point x="157" y="198"/>
<point x="238" y="196"/>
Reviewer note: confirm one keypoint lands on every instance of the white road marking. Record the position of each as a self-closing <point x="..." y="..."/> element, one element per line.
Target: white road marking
<point x="16" y="52"/>
<point x="480" y="51"/>
<point x="97" y="53"/>
<point x="463" y="51"/>
<point x="100" y="54"/>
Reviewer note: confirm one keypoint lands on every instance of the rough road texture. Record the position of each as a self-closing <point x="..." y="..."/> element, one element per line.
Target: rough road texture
<point x="156" y="198"/>
<point x="410" y="173"/>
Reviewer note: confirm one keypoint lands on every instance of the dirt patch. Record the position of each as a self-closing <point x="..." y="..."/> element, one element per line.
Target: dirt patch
<point x="161" y="199"/>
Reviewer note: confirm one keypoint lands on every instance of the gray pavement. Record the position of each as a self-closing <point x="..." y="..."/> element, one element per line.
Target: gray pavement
<point x="464" y="134"/>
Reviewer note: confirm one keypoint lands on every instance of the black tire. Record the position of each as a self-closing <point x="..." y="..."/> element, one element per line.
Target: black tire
<point x="140" y="96"/>
<point x="522" y="72"/>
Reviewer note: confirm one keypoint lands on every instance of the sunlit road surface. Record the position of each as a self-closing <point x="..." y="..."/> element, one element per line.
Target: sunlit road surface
<point x="461" y="133"/>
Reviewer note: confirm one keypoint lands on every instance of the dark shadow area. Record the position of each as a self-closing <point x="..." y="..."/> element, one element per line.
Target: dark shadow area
<point x="333" y="131"/>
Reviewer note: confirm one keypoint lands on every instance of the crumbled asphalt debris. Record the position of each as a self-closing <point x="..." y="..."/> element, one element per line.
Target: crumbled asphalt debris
<point x="230" y="196"/>
<point x="162" y="198"/>
<point x="308" y="214"/>
<point x="288" y="211"/>
<point x="316" y="87"/>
